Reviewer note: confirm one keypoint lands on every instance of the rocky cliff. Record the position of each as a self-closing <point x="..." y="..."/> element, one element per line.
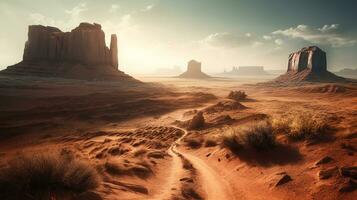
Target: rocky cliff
<point x="312" y="58"/>
<point x="194" y="71"/>
<point x="81" y="53"/>
<point x="308" y="64"/>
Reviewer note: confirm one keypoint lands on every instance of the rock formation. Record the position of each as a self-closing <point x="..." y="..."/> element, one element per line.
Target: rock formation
<point x="194" y="71"/>
<point x="247" y="71"/>
<point x="197" y="121"/>
<point x="308" y="64"/>
<point x="312" y="58"/>
<point x="80" y="54"/>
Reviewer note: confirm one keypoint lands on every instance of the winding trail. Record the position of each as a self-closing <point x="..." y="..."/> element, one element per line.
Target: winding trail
<point x="213" y="185"/>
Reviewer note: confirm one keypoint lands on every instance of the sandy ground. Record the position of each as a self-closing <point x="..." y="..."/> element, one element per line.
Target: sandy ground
<point x="127" y="133"/>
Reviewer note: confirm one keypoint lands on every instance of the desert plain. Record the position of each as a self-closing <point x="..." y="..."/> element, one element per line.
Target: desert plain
<point x="172" y="138"/>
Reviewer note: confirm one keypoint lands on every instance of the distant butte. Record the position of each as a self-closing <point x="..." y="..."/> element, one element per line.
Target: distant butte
<point x="308" y="64"/>
<point x="247" y="71"/>
<point x="194" y="71"/>
<point x="79" y="54"/>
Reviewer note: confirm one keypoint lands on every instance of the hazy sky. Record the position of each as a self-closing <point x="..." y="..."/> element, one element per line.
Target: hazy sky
<point x="219" y="33"/>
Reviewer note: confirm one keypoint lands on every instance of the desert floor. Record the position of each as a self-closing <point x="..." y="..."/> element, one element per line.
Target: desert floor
<point x="133" y="135"/>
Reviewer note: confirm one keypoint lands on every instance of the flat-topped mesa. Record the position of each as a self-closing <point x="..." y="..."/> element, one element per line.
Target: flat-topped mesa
<point x="194" y="71"/>
<point x="84" y="45"/>
<point x="312" y="58"/>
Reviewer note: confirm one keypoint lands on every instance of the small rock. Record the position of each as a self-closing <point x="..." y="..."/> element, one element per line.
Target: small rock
<point x="349" y="186"/>
<point x="349" y="172"/>
<point x="324" y="160"/>
<point x="227" y="156"/>
<point x="208" y="155"/>
<point x="327" y="173"/>
<point x="284" y="179"/>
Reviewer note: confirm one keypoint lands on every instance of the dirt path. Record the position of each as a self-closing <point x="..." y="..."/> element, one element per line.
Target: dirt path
<point x="176" y="173"/>
<point x="205" y="179"/>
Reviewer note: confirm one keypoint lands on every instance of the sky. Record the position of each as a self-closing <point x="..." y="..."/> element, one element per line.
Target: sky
<point x="221" y="34"/>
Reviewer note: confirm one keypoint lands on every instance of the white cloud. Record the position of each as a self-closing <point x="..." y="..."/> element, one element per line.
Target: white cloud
<point x="149" y="7"/>
<point x="279" y="41"/>
<point x="267" y="37"/>
<point x="231" y="40"/>
<point x="327" y="28"/>
<point x="114" y="8"/>
<point x="327" y="35"/>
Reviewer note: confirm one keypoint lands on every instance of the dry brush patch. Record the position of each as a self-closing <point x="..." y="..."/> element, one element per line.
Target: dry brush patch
<point x="303" y="126"/>
<point x="257" y="144"/>
<point x="46" y="175"/>
<point x="258" y="136"/>
<point x="237" y="95"/>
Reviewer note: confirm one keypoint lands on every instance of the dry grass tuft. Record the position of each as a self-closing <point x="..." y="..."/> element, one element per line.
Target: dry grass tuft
<point x="42" y="175"/>
<point x="258" y="136"/>
<point x="232" y="141"/>
<point x="281" y="125"/>
<point x="305" y="126"/>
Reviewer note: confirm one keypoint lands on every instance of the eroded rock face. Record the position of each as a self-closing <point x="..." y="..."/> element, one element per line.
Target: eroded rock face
<point x="307" y="65"/>
<point x="79" y="54"/>
<point x="312" y="58"/>
<point x="114" y="51"/>
<point x="84" y="44"/>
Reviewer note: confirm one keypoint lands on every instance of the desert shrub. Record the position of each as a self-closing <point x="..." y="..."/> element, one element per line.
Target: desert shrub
<point x="232" y="141"/>
<point x="259" y="136"/>
<point x="237" y="95"/>
<point x="281" y="125"/>
<point x="43" y="174"/>
<point x="307" y="127"/>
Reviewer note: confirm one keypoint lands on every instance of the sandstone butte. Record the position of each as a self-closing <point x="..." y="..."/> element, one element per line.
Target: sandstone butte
<point x="194" y="71"/>
<point x="79" y="54"/>
<point x="308" y="64"/>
